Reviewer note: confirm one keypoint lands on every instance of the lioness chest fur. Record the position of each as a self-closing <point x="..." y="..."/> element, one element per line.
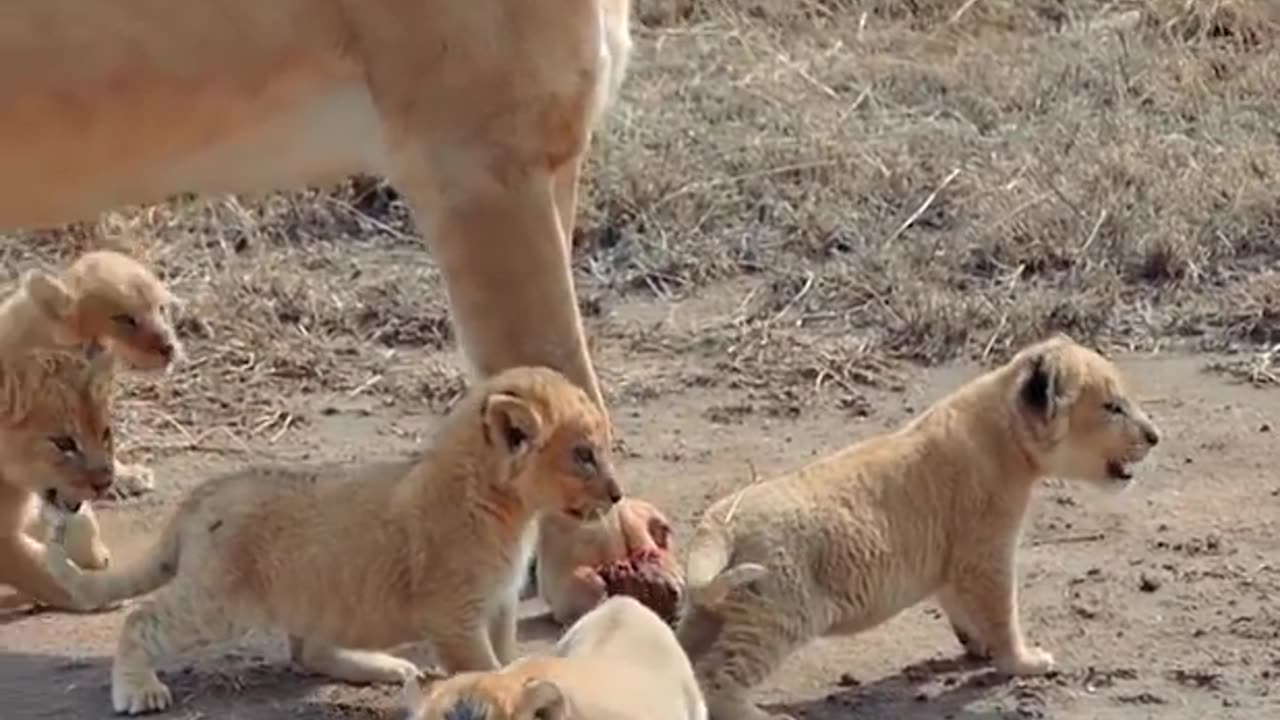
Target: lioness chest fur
<point x="935" y="508"/>
<point x="391" y="553"/>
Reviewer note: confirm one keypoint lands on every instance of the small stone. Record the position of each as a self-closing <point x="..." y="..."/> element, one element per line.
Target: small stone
<point x="848" y="680"/>
<point x="1149" y="583"/>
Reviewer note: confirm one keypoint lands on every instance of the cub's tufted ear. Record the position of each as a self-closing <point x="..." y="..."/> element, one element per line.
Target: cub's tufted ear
<point x="48" y="293"/>
<point x="512" y="422"/>
<point x="540" y="700"/>
<point x="1040" y="391"/>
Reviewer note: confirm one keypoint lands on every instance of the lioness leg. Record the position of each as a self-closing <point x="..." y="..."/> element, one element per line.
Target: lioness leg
<point x="566" y="192"/>
<point x="353" y="666"/>
<point x="986" y="595"/>
<point x="506" y="272"/>
<point x="176" y="620"/>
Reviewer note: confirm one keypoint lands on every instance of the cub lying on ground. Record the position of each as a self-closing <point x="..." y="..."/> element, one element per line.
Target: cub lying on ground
<point x="571" y="555"/>
<point x="55" y="444"/>
<point x="617" y="662"/>
<point x="934" y="509"/>
<point x="393" y="553"/>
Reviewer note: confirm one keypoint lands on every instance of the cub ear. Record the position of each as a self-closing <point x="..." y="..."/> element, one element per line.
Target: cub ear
<point x="540" y="700"/>
<point x="48" y="293"/>
<point x="510" y="421"/>
<point x="1039" y="392"/>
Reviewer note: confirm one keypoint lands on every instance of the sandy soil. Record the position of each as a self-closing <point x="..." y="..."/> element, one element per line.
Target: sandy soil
<point x="1158" y="603"/>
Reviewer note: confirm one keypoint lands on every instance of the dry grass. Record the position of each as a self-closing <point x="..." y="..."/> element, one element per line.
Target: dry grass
<point x="897" y="180"/>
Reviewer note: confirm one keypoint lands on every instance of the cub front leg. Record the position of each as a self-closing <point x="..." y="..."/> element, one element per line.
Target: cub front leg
<point x="502" y="631"/>
<point x="986" y="596"/>
<point x="975" y="646"/>
<point x="178" y="619"/>
<point x="353" y="666"/>
<point x="465" y="647"/>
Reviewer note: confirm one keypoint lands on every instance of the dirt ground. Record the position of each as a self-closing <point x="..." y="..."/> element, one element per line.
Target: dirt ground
<point x="1161" y="602"/>
<point x="804" y="220"/>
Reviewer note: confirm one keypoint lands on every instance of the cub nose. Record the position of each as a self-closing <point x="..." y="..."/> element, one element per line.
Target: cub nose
<point x="101" y="480"/>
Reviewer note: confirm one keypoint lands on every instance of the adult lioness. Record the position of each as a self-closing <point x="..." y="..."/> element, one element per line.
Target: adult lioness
<point x="935" y="508"/>
<point x="480" y="111"/>
<point x="351" y="561"/>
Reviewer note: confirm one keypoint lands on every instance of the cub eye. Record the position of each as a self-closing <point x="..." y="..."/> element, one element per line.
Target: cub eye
<point x="585" y="457"/>
<point x="124" y="320"/>
<point x="65" y="444"/>
<point x="1113" y="407"/>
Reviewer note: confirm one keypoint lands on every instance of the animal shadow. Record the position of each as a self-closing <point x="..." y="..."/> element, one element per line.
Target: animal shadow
<point x="934" y="688"/>
<point x="40" y="687"/>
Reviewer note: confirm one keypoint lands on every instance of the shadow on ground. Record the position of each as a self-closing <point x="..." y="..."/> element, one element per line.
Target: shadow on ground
<point x="936" y="688"/>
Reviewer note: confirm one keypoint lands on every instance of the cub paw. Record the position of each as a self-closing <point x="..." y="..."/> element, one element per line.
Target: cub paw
<point x="132" y="480"/>
<point x="1033" y="661"/>
<point x="133" y="695"/>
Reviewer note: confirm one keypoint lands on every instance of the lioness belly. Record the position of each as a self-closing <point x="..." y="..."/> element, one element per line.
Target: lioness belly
<point x="114" y="104"/>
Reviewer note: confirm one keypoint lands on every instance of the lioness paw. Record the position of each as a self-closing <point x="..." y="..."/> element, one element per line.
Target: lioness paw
<point x="1033" y="661"/>
<point x="134" y="695"/>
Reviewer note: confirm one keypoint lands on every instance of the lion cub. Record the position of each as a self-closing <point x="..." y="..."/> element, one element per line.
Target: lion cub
<point x="570" y="553"/>
<point x="104" y="300"/>
<point x="347" y="562"/>
<point x="933" y="509"/>
<point x="55" y="444"/>
<point x="619" y="661"/>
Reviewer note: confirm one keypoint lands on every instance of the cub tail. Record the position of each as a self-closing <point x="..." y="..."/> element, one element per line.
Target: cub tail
<point x="101" y="589"/>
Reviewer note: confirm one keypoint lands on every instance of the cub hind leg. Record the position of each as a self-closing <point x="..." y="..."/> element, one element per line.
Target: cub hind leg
<point x="353" y="666"/>
<point x="750" y="643"/>
<point x="178" y="619"/>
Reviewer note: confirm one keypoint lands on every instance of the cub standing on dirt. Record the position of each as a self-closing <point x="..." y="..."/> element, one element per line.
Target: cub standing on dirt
<point x="617" y="662"/>
<point x="348" y="562"/>
<point x="934" y="509"/>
